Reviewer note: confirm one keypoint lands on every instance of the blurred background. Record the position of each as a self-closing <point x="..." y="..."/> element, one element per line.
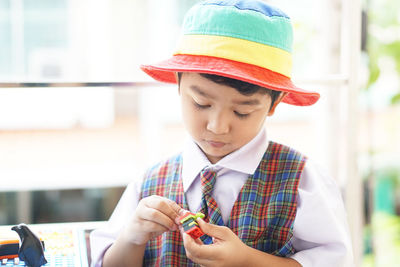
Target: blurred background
<point x="79" y="120"/>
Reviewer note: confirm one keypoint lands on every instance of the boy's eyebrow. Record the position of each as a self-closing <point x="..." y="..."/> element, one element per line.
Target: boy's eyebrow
<point x="201" y="92"/>
<point x="252" y="102"/>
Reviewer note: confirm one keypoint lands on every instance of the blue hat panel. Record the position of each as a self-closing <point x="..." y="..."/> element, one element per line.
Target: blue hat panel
<point x="254" y="5"/>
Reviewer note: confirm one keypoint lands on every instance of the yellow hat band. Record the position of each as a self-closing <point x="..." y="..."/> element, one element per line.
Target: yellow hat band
<point x="261" y="55"/>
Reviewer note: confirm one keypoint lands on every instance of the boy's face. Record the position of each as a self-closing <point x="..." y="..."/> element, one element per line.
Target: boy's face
<point x="218" y="117"/>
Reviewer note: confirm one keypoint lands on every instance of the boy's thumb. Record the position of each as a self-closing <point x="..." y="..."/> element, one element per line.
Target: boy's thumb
<point x="212" y="229"/>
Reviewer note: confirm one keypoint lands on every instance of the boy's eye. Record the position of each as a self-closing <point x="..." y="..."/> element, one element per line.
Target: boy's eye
<point x="241" y="115"/>
<point x="200" y="106"/>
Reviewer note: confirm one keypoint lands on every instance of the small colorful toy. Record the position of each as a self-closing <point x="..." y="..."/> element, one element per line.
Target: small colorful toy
<point x="31" y="250"/>
<point x="31" y="247"/>
<point x="189" y="224"/>
<point x="66" y="245"/>
<point x="9" y="250"/>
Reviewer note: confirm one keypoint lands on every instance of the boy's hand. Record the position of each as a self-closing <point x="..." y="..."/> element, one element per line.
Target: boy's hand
<point x="154" y="215"/>
<point x="227" y="249"/>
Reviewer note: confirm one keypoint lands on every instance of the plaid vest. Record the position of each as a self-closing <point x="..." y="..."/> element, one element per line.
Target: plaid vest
<point x="262" y="215"/>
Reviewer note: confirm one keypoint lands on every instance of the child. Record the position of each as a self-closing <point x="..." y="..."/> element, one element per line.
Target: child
<point x="265" y="203"/>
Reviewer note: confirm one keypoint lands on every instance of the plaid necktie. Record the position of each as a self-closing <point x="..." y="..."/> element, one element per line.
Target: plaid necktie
<point x="208" y="204"/>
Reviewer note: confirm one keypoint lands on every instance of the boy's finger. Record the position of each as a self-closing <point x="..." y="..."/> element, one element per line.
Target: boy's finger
<point x="164" y="205"/>
<point x="175" y="207"/>
<point x="180" y="213"/>
<point x="198" y="241"/>
<point x="160" y="210"/>
<point x="198" y="252"/>
<point x="191" y="245"/>
<point x="158" y="217"/>
<point x="153" y="227"/>
<point x="215" y="231"/>
<point x="189" y="242"/>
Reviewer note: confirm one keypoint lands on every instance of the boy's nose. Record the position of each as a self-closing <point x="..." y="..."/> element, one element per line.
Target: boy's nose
<point x="218" y="124"/>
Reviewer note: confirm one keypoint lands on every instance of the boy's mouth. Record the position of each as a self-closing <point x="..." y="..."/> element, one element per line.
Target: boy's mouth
<point x="215" y="143"/>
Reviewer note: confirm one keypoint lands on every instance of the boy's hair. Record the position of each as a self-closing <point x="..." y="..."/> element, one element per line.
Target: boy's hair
<point x="242" y="87"/>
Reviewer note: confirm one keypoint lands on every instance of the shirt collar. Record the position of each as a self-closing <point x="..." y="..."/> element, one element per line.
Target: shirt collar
<point x="245" y="160"/>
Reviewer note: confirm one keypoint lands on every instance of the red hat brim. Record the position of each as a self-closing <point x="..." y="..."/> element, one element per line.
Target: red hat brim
<point x="165" y="72"/>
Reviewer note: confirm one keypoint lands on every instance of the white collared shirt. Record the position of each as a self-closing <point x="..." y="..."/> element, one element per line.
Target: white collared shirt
<point x="320" y="232"/>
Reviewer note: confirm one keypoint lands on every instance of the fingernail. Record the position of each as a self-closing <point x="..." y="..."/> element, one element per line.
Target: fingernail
<point x="181" y="212"/>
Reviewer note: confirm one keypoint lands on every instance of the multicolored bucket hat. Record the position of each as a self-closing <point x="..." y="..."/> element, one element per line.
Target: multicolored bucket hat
<point x="246" y="40"/>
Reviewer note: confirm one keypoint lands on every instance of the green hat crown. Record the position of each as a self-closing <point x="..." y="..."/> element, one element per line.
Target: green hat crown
<point x="251" y="32"/>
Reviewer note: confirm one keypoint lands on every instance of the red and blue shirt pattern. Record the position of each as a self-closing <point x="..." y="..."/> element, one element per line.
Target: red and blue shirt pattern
<point x="262" y="215"/>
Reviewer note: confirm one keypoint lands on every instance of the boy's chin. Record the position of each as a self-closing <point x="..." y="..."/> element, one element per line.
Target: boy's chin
<point x="214" y="156"/>
<point x="213" y="159"/>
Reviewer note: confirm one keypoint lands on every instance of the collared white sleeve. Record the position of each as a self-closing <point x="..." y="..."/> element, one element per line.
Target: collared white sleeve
<point x="101" y="239"/>
<point x="321" y="234"/>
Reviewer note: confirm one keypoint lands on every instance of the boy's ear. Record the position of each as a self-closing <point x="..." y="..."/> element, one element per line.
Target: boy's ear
<point x="178" y="82"/>
<point x="277" y="101"/>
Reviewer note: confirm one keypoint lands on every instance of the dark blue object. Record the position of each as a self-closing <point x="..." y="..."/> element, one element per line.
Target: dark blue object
<point x="31" y="250"/>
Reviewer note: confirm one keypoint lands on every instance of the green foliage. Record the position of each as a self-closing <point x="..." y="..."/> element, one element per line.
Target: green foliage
<point x="383" y="16"/>
<point x="396" y="99"/>
<point x="368" y="261"/>
<point x="374" y="73"/>
<point x="386" y="229"/>
<point x="389" y="173"/>
<point x="393" y="50"/>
